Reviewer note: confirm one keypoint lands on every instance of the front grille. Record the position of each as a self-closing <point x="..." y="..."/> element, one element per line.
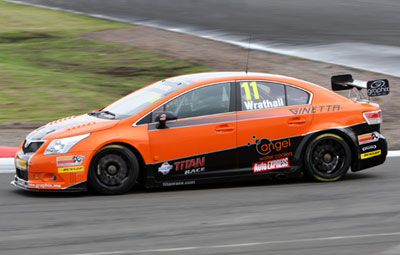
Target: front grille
<point x="22" y="174"/>
<point x="32" y="147"/>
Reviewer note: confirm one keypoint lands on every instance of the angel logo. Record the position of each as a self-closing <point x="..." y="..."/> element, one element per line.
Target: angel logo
<point x="264" y="146"/>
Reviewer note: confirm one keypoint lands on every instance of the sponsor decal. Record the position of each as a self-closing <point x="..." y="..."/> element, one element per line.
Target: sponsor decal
<point x="315" y="109"/>
<point x="71" y="169"/>
<point x="155" y="99"/>
<point x="371" y="154"/>
<point x="21" y="164"/>
<point x="165" y="168"/>
<point x="264" y="166"/>
<point x="44" y="185"/>
<point x="369" y="147"/>
<point x="191" y="166"/>
<point x="264" y="146"/>
<point x="377" y="88"/>
<point x="281" y="155"/>
<point x="368" y="138"/>
<point x="69" y="160"/>
<point x="264" y="104"/>
<point x="168" y="184"/>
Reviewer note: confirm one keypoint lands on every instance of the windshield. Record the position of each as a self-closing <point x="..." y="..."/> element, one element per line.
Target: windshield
<point x="140" y="99"/>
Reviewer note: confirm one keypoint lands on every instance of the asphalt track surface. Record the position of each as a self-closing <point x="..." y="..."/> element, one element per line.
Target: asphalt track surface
<point x="358" y="215"/>
<point x="287" y="21"/>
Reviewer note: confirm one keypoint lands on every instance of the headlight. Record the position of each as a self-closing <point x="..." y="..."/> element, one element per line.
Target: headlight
<point x="63" y="145"/>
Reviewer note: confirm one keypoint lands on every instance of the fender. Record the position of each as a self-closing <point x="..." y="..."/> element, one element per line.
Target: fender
<point x="346" y="133"/>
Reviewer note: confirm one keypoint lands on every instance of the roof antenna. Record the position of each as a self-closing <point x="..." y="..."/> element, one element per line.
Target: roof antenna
<point x="248" y="55"/>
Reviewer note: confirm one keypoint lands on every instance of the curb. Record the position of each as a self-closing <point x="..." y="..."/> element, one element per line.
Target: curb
<point x="7" y="164"/>
<point x="7" y="152"/>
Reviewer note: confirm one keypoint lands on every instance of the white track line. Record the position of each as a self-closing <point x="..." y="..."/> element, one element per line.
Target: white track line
<point x="7" y="164"/>
<point x="393" y="154"/>
<point x="331" y="238"/>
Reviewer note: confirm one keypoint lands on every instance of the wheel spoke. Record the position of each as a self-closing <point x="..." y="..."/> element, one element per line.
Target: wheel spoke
<point x="328" y="157"/>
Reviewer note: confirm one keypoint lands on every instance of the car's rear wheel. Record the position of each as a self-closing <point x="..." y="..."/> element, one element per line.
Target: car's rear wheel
<point x="113" y="170"/>
<point x="327" y="158"/>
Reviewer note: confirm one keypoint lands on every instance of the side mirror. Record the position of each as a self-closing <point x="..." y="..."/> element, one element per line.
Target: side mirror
<point x="163" y="117"/>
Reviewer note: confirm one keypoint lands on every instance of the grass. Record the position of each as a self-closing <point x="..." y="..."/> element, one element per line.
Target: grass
<point x="48" y="70"/>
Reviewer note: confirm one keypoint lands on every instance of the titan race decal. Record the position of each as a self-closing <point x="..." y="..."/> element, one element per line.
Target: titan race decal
<point x="187" y="166"/>
<point x="191" y="166"/>
<point x="214" y="163"/>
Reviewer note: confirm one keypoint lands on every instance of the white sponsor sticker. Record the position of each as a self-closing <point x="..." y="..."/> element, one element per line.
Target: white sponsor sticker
<point x="264" y="166"/>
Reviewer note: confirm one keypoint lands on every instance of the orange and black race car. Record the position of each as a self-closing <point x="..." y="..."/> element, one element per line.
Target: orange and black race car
<point x="208" y="127"/>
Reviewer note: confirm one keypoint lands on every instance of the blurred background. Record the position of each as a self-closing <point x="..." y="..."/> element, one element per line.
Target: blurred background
<point x="55" y="64"/>
<point x="68" y="57"/>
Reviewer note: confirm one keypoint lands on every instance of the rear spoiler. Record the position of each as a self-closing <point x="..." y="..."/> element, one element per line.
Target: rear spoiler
<point x="374" y="88"/>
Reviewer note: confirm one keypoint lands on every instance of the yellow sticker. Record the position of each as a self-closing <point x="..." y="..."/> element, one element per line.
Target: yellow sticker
<point x="71" y="169"/>
<point x="154" y="99"/>
<point x="370" y="154"/>
<point x="253" y="84"/>
<point x="21" y="164"/>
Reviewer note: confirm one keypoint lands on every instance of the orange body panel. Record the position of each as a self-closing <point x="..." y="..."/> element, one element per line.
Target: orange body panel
<point x="220" y="132"/>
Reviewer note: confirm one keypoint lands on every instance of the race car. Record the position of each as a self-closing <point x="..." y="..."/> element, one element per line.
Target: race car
<point x="209" y="127"/>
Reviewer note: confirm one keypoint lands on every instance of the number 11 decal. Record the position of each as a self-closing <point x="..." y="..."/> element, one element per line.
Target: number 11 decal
<point x="253" y="85"/>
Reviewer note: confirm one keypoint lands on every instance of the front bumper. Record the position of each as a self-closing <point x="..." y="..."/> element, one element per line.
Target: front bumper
<point x="47" y="187"/>
<point x="61" y="172"/>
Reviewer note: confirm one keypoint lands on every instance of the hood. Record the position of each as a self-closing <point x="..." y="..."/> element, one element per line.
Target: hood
<point x="71" y="126"/>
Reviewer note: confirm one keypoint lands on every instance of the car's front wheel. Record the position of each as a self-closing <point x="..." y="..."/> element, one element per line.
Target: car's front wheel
<point x="113" y="170"/>
<point x="327" y="158"/>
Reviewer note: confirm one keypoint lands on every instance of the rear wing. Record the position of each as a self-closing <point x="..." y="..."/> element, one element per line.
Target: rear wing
<point x="374" y="88"/>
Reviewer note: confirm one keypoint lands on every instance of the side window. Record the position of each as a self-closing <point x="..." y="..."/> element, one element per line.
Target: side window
<point x="206" y="100"/>
<point x="296" y="96"/>
<point x="261" y="95"/>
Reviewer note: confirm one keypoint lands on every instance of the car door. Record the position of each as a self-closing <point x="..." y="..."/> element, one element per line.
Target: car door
<point x="269" y="128"/>
<point x="202" y="141"/>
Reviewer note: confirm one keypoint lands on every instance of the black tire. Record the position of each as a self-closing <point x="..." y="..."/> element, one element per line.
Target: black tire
<point x="327" y="158"/>
<point x="114" y="170"/>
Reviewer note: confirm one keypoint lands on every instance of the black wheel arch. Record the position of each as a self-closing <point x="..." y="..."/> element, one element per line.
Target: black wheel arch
<point x="347" y="136"/>
<point x="142" y="165"/>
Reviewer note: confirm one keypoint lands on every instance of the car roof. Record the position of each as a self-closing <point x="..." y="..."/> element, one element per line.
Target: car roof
<point x="211" y="76"/>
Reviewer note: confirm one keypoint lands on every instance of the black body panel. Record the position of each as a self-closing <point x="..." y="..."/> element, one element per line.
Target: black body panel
<point x="293" y="149"/>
